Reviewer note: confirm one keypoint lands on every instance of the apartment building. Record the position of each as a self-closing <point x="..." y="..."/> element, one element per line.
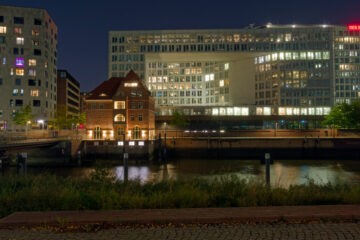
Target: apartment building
<point x="28" y="64"/>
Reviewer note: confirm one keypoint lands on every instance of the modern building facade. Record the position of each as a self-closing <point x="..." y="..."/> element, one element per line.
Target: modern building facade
<point x="28" y="64"/>
<point x="68" y="93"/>
<point x="264" y="70"/>
<point x="120" y="106"/>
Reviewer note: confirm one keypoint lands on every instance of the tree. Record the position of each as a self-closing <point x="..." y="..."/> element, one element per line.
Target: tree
<point x="178" y="120"/>
<point x="344" y="115"/>
<point x="23" y="117"/>
<point x="63" y="120"/>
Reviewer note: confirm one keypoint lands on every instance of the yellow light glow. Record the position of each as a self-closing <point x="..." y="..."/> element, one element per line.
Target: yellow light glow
<point x="90" y="133"/>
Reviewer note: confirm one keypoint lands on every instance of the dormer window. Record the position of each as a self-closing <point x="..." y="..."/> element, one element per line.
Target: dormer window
<point x="131" y="84"/>
<point x="102" y="95"/>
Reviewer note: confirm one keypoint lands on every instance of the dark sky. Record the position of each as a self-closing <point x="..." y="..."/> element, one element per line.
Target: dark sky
<point x="84" y="24"/>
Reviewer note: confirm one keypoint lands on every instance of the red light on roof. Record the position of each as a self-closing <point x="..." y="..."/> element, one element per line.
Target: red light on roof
<point x="354" y="27"/>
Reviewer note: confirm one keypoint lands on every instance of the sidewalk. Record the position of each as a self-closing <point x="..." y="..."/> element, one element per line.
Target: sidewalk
<point x="185" y="216"/>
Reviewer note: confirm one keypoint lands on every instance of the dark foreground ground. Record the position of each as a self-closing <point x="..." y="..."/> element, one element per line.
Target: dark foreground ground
<point x="207" y="232"/>
<point x="282" y="222"/>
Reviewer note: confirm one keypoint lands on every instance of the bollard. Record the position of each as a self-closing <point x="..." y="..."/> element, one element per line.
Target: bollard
<point x="165" y="152"/>
<point x="126" y="167"/>
<point x="21" y="160"/>
<point x="267" y="168"/>
<point x="79" y="158"/>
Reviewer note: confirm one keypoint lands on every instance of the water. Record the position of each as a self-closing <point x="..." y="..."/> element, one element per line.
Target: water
<point x="283" y="172"/>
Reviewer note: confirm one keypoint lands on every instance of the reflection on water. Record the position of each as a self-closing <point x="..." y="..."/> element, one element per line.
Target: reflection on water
<point x="283" y="173"/>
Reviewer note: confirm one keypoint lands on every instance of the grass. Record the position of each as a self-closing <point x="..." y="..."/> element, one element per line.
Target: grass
<point x="48" y="192"/>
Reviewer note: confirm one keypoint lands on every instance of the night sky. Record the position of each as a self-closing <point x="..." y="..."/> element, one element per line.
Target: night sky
<point x="84" y="24"/>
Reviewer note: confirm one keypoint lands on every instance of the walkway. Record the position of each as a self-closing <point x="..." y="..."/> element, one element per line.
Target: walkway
<point x="288" y="222"/>
<point x="186" y="216"/>
<point x="328" y="231"/>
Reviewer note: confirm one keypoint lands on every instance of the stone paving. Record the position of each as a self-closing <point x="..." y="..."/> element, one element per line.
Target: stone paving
<point x="208" y="232"/>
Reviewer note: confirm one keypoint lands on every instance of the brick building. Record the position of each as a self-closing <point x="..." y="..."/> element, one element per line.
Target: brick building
<point x="118" y="106"/>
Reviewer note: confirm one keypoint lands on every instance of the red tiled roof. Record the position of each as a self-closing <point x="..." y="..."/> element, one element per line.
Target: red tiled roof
<point x="110" y="86"/>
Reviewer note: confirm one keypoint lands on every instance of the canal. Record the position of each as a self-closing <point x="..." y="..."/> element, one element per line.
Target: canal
<point x="283" y="172"/>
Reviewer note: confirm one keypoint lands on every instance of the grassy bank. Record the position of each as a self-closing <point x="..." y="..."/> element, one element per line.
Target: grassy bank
<point x="45" y="193"/>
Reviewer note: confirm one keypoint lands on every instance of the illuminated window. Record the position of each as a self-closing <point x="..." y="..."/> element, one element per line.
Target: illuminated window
<point x="119" y="105"/>
<point x="288" y="55"/>
<point x="34" y="93"/>
<point x="32" y="72"/>
<point x="259" y="111"/>
<point x="136" y="133"/>
<point x="119" y="118"/>
<point x="245" y="111"/>
<point x="15" y="92"/>
<point x="2" y="29"/>
<point x="35" y="32"/>
<point x="35" y="42"/>
<point x="226" y="67"/>
<point x="282" y="111"/>
<point x="18" y="30"/>
<point x="19" y="71"/>
<point x="19" y="62"/>
<point x="32" y="62"/>
<point x="20" y="41"/>
<point x="326" y="55"/>
<point x="267" y="111"/>
<point x="131" y="84"/>
<point x="274" y="56"/>
<point x="281" y="56"/>
<point x="310" y="55"/>
<point x="221" y="83"/>
<point x="318" y="55"/>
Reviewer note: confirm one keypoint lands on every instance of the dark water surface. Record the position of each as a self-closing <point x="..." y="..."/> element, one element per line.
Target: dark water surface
<point x="283" y="172"/>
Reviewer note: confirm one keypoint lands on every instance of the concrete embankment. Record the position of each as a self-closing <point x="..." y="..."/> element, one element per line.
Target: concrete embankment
<point x="290" y="148"/>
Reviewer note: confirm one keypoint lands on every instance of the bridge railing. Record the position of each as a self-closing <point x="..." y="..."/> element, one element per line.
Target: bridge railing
<point x="11" y="136"/>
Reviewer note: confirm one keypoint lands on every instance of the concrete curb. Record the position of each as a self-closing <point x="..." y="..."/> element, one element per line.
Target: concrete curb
<point x="184" y="216"/>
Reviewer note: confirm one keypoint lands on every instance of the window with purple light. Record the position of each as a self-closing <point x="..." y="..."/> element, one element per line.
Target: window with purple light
<point x="19" y="62"/>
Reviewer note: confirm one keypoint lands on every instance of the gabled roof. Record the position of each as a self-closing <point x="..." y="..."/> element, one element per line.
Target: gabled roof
<point x="107" y="89"/>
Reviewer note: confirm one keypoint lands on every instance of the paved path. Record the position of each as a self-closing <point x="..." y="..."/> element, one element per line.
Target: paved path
<point x="190" y="215"/>
<point x="329" y="231"/>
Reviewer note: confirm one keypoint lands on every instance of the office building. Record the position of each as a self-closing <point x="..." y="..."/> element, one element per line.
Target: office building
<point x="68" y="93"/>
<point x="28" y="64"/>
<point x="266" y="70"/>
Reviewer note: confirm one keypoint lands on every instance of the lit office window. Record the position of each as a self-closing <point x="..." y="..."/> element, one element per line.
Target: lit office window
<point x="34" y="93"/>
<point x="32" y="72"/>
<point x="32" y="62"/>
<point x="2" y="29"/>
<point x="19" y="62"/>
<point x="35" y="32"/>
<point x="20" y="41"/>
<point x="18" y="30"/>
<point x="221" y="83"/>
<point x="19" y="71"/>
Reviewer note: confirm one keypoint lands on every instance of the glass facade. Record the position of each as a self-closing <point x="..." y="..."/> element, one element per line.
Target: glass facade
<point x="294" y="65"/>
